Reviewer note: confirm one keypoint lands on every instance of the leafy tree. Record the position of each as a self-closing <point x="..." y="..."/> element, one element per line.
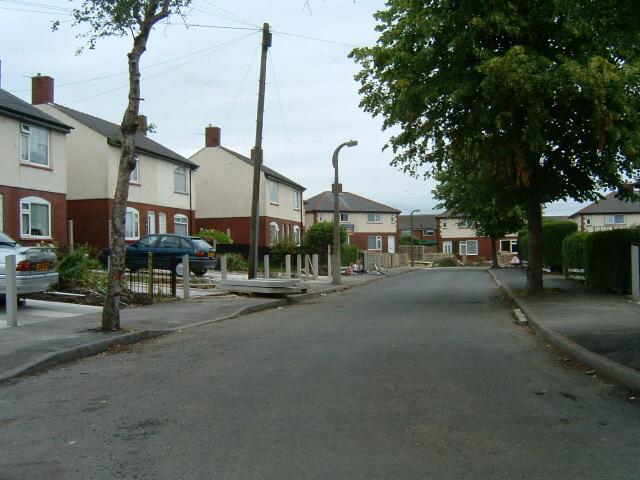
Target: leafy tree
<point x="466" y="192"/>
<point x="319" y="235"/>
<point x="109" y="18"/>
<point x="543" y="97"/>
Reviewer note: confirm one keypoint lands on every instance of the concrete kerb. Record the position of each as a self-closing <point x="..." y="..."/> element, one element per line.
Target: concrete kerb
<point x="93" y="348"/>
<point x="621" y="374"/>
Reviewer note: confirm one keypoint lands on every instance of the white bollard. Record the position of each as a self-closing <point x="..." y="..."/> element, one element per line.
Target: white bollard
<point x="266" y="266"/>
<point x="299" y="265"/>
<point x="635" y="272"/>
<point x="315" y="266"/>
<point x="329" y="264"/>
<point x="287" y="265"/>
<point x="70" y="235"/>
<point x="223" y="266"/>
<point x="11" y="291"/>
<point x="186" y="287"/>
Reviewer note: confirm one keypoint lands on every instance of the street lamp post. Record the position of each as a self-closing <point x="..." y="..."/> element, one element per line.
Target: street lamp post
<point x="337" y="189"/>
<point x="413" y="264"/>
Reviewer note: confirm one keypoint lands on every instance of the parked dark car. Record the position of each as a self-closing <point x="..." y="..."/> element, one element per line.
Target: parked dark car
<point x="202" y="256"/>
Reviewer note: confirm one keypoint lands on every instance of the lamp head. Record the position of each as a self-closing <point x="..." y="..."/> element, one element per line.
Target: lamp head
<point x="351" y="143"/>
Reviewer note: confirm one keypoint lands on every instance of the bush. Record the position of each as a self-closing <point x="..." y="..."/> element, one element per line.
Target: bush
<point x="349" y="254"/>
<point x="319" y="235"/>
<point x="573" y="253"/>
<point x="75" y="269"/>
<point x="446" y="262"/>
<point x="283" y="248"/>
<point x="235" y="263"/>
<point x="406" y="240"/>
<point x="608" y="259"/>
<point x="553" y="233"/>
<point x="211" y="234"/>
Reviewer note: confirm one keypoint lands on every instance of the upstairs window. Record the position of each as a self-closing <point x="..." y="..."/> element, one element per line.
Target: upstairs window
<point x="134" y="176"/>
<point x="344" y="217"/>
<point x="273" y="191"/>
<point x="180" y="180"/>
<point x="35" y="218"/>
<point x="34" y="145"/>
<point x="374" y="218"/>
<point x="427" y="232"/>
<point x="296" y="200"/>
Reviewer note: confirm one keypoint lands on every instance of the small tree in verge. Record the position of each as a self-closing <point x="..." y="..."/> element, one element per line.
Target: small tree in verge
<point x="108" y="18"/>
<point x="320" y="235"/>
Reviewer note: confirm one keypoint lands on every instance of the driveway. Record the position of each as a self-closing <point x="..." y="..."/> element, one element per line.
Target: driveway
<point x="36" y="311"/>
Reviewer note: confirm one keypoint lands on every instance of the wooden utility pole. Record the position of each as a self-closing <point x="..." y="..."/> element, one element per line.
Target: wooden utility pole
<point x="254" y="232"/>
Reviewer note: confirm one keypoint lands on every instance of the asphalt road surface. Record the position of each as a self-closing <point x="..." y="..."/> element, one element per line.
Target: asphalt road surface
<point x="420" y="376"/>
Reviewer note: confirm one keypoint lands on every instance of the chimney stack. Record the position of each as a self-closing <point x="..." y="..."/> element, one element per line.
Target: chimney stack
<point x="212" y="136"/>
<point x="41" y="89"/>
<point x="143" y="126"/>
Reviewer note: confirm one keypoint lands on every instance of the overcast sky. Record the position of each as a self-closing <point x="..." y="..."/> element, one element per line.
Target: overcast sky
<point x="201" y="75"/>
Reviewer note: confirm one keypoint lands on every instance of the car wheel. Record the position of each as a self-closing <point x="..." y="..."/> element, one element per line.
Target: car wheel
<point x="199" y="273"/>
<point x="179" y="269"/>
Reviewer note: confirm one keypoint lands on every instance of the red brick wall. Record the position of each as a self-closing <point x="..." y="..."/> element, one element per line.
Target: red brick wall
<point x="361" y="240"/>
<point x="11" y="210"/>
<point x="239" y="228"/>
<point x="91" y="219"/>
<point x="484" y="246"/>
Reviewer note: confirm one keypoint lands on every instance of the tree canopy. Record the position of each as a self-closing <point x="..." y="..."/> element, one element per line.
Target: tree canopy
<point x="542" y="97"/>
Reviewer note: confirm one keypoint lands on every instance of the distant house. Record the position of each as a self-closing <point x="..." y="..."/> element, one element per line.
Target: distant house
<point x="370" y="225"/>
<point x="608" y="214"/>
<point x="161" y="197"/>
<point x="456" y="235"/>
<point x="224" y="185"/>
<point x="425" y="227"/>
<point x="33" y="178"/>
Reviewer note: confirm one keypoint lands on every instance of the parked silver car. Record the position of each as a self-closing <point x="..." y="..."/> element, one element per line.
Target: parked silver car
<point x="35" y="266"/>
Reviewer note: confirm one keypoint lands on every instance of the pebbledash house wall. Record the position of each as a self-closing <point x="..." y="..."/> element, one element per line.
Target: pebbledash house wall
<point x="19" y="180"/>
<point x="92" y="177"/>
<point x="224" y="184"/>
<point x="388" y="227"/>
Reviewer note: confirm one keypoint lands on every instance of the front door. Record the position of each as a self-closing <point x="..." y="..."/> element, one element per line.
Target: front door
<point x="392" y="244"/>
<point x="151" y="223"/>
<point x="447" y="247"/>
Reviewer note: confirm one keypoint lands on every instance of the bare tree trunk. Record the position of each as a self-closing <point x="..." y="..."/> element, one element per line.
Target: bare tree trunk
<point x="494" y="252"/>
<point x="534" y="272"/>
<point x="128" y="128"/>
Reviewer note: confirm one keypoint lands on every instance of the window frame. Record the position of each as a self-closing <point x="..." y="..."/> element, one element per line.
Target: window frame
<point x="37" y="201"/>
<point x="466" y="246"/>
<point x="377" y="218"/>
<point x="512" y="244"/>
<point x="136" y="170"/>
<point x="177" y="220"/>
<point x="378" y="242"/>
<point x="297" y="200"/>
<point x="271" y="233"/>
<point x="296" y="234"/>
<point x="425" y="232"/>
<point x="180" y="171"/>
<point x="346" y="220"/>
<point x="27" y="129"/>
<point x="612" y="217"/>
<point x="134" y="213"/>
<point x="273" y="192"/>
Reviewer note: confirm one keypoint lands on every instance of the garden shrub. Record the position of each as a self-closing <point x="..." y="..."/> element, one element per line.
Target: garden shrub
<point x="75" y="269"/>
<point x="235" y="263"/>
<point x="446" y="262"/>
<point x="553" y="233"/>
<point x="349" y="254"/>
<point x="210" y="235"/>
<point x="573" y="253"/>
<point x="608" y="259"/>
<point x="319" y="235"/>
<point x="283" y="248"/>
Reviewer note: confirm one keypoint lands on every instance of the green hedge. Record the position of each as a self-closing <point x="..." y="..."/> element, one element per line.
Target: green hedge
<point x="349" y="254"/>
<point x="608" y="259"/>
<point x="553" y="233"/>
<point x="573" y="252"/>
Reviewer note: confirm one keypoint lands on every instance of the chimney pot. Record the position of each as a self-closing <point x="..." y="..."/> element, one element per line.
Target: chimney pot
<point x="41" y="89"/>
<point x="212" y="136"/>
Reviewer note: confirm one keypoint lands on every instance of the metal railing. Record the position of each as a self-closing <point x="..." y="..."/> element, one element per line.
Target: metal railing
<point x="152" y="275"/>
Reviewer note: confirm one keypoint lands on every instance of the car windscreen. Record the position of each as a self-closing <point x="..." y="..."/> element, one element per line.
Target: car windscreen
<point x="201" y="244"/>
<point x="6" y="240"/>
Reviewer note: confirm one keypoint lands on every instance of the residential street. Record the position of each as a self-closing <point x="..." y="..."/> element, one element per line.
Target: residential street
<point x="419" y="376"/>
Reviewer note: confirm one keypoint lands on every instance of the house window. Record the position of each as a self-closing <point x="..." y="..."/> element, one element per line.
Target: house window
<point x="180" y="225"/>
<point x="443" y="224"/>
<point x="162" y="222"/>
<point x="296" y="234"/>
<point x="344" y="217"/>
<point x="469" y="247"/>
<point x="510" y="246"/>
<point x="587" y="220"/>
<point x="134" y="176"/>
<point x="151" y="222"/>
<point x="296" y="200"/>
<point x="273" y="191"/>
<point x="374" y="242"/>
<point x="427" y="232"/>
<point x="180" y="180"/>
<point x="132" y="224"/>
<point x="34" y="145"/>
<point x="274" y="230"/>
<point x="615" y="220"/>
<point x="447" y="247"/>
<point x="393" y="219"/>
<point x="35" y="214"/>
<point x="374" y="218"/>
<point x="321" y="217"/>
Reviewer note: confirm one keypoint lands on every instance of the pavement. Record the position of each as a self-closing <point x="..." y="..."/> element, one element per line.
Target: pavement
<point x="598" y="329"/>
<point x="49" y="333"/>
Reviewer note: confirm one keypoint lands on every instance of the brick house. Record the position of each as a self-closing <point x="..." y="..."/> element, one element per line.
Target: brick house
<point x="610" y="213"/>
<point x="161" y="196"/>
<point x="370" y="225"/>
<point x="425" y="227"/>
<point x="33" y="183"/>
<point x="224" y="192"/>
<point x="456" y="235"/>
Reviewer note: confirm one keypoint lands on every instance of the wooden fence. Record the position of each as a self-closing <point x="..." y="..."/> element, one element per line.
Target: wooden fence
<point x="383" y="260"/>
<point x="418" y="250"/>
